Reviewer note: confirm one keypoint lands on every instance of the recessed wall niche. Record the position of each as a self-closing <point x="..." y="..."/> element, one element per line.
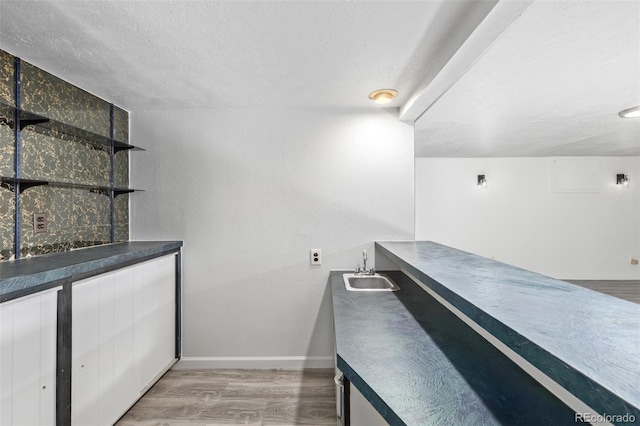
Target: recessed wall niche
<point x="72" y="164"/>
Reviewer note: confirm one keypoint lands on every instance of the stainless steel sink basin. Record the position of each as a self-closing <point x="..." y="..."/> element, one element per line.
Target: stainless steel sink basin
<point x="361" y="282"/>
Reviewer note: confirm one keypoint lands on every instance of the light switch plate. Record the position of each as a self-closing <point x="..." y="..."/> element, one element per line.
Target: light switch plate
<point x="39" y="223"/>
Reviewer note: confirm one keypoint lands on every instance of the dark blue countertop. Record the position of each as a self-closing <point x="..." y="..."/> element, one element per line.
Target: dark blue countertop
<point x="418" y="364"/>
<point x="586" y="341"/>
<point x="30" y="275"/>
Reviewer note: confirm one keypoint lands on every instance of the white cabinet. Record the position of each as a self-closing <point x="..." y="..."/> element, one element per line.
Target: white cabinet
<point x="362" y="412"/>
<point x="85" y="351"/>
<point x="28" y="328"/>
<point x="156" y="283"/>
<point x="123" y="338"/>
<point x="126" y="360"/>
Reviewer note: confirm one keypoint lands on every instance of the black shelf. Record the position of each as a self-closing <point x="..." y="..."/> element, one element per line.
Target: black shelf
<point x="46" y="126"/>
<point x="10" y="184"/>
<point x="19" y="121"/>
<point x="97" y="189"/>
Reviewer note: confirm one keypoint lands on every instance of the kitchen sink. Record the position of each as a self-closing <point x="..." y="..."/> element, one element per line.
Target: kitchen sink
<point x="368" y="282"/>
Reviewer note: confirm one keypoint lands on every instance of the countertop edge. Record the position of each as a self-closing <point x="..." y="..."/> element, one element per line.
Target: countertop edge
<point x="567" y="375"/>
<point x="363" y="387"/>
<point x="39" y="273"/>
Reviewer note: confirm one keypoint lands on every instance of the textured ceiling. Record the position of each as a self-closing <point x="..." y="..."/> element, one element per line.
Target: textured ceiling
<point x="207" y="54"/>
<point x="551" y="85"/>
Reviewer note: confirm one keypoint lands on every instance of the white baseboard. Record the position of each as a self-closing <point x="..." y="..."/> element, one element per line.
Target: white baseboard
<point x="257" y="362"/>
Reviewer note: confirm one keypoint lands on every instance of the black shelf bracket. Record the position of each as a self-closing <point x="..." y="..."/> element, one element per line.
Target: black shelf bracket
<point x="9" y="116"/>
<point x="20" y="184"/>
<point x="24" y="122"/>
<point x="112" y="176"/>
<point x="117" y="192"/>
<point x="17" y="160"/>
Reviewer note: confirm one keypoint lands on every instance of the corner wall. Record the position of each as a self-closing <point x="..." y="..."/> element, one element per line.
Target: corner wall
<point x="251" y="191"/>
<point x="517" y="220"/>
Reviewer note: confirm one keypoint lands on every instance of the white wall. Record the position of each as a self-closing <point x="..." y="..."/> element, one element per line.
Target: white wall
<point x="251" y="191"/>
<point x="517" y="220"/>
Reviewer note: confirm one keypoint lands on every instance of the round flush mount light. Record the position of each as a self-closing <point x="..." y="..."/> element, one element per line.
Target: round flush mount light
<point x="630" y="112"/>
<point x="383" y="96"/>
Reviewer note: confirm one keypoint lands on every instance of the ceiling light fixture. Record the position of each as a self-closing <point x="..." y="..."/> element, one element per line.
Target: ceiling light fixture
<point x="630" y="112"/>
<point x="383" y="96"/>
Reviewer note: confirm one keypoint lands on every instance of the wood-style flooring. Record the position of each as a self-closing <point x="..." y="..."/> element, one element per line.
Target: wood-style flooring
<point x="228" y="397"/>
<point x="268" y="397"/>
<point x="624" y="289"/>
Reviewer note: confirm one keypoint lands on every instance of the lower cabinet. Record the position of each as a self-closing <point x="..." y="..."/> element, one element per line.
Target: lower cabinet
<point x="123" y="338"/>
<point x="28" y="360"/>
<point x="362" y="412"/>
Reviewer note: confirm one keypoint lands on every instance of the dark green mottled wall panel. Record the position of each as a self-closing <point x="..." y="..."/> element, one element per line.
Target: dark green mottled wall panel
<point x="7" y="201"/>
<point x="62" y="160"/>
<point x="7" y="214"/>
<point x="121" y="169"/>
<point x="56" y="203"/>
<point x="45" y="94"/>
<point x="6" y="98"/>
<point x="121" y="124"/>
<point x="76" y="217"/>
<point x="6" y="151"/>
<point x="121" y="216"/>
<point x="121" y="176"/>
<point x="7" y="93"/>
<point x="121" y="159"/>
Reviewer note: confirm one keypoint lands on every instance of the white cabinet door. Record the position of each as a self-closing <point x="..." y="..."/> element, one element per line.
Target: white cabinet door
<point x="85" y="352"/>
<point x="102" y="342"/>
<point x="28" y="328"/>
<point x="105" y="350"/>
<point x="126" y="365"/>
<point x="362" y="412"/>
<point x="123" y="337"/>
<point x="156" y="283"/>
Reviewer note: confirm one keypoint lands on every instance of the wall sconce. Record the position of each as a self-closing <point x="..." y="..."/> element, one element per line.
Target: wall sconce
<point x="623" y="180"/>
<point x="482" y="182"/>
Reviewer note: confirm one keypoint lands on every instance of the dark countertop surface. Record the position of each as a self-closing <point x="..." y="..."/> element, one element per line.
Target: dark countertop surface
<point x="30" y="275"/>
<point x="418" y="364"/>
<point x="586" y="341"/>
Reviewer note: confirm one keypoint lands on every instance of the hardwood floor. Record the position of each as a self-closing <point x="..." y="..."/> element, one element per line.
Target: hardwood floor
<point x="225" y="397"/>
<point x="624" y="289"/>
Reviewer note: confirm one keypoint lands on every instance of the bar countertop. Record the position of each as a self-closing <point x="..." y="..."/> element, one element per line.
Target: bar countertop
<point x="418" y="364"/>
<point x="31" y="275"/>
<point x="586" y="341"/>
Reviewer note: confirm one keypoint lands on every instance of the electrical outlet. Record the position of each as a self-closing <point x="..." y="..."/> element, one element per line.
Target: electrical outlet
<point x="39" y="223"/>
<point x="315" y="256"/>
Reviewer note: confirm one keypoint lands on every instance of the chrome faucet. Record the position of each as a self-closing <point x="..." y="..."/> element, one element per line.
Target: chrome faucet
<point x="364" y="270"/>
